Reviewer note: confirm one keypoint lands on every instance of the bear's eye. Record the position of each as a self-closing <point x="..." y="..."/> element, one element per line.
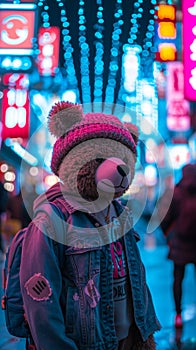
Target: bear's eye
<point x="99" y="160"/>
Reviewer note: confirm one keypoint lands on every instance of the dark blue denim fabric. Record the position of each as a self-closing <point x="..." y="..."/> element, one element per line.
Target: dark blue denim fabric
<point x="79" y="312"/>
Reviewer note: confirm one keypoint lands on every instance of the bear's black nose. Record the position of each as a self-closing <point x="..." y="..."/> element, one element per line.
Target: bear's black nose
<point x="123" y="170"/>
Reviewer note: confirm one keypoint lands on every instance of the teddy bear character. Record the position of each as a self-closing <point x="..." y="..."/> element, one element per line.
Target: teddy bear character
<point x="99" y="298"/>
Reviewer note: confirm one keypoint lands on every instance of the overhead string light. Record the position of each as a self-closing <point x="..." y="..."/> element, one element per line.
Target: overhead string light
<point x="44" y="14"/>
<point x="132" y="41"/>
<point x="147" y="95"/>
<point x="40" y="3"/>
<point x="134" y="26"/>
<point x="72" y="82"/>
<point x="148" y="49"/>
<point x="114" y="53"/>
<point x="84" y="55"/>
<point x="98" y="60"/>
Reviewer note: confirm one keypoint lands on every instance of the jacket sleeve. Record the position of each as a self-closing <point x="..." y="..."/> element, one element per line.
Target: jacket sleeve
<point x="41" y="285"/>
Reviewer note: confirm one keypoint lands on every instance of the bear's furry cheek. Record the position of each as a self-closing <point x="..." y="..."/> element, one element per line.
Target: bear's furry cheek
<point x="78" y="177"/>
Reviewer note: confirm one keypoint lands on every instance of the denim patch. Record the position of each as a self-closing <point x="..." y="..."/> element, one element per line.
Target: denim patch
<point x="38" y="287"/>
<point x="92" y="292"/>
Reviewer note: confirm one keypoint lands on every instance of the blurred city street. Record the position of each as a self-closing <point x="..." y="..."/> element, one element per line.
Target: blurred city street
<point x="159" y="276"/>
<point x="126" y="70"/>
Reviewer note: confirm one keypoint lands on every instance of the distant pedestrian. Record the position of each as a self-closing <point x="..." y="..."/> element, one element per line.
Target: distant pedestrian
<point x="179" y="226"/>
<point x="16" y="210"/>
<point x="3" y="204"/>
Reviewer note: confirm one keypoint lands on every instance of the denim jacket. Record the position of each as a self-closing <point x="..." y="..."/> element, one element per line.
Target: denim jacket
<point x="68" y="295"/>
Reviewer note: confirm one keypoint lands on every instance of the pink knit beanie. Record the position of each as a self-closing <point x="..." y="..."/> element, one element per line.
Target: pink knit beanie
<point x="71" y="127"/>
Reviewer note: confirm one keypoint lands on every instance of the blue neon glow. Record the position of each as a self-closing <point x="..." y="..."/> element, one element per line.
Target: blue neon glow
<point x="18" y="6"/>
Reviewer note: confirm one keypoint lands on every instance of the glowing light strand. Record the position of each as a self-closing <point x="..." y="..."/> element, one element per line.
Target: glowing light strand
<point x="148" y="49"/>
<point x="44" y="14"/>
<point x="84" y="55"/>
<point x="40" y="3"/>
<point x="134" y="27"/>
<point x="114" y="53"/>
<point x="147" y="104"/>
<point x="72" y="82"/>
<point x="99" y="52"/>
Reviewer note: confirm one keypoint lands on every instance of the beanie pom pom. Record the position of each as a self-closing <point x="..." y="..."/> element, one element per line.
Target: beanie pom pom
<point x="63" y="116"/>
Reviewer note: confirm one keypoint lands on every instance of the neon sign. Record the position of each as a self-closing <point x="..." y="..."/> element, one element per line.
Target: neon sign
<point x="166" y="12"/>
<point x="48" y="41"/>
<point x="166" y="31"/>
<point x="167" y="52"/>
<point x="17" y="80"/>
<point x="16" y="31"/>
<point x="189" y="48"/>
<point x="178" y="108"/>
<point x="15" y="113"/>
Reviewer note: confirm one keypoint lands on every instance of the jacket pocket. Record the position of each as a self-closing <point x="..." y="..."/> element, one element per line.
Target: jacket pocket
<point x="82" y="264"/>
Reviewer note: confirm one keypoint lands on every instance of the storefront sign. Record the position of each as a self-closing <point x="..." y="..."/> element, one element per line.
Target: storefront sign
<point x="178" y="108"/>
<point x="166" y="33"/>
<point x="15" y="113"/>
<point x="189" y="48"/>
<point x="16" y="31"/>
<point x="48" y="59"/>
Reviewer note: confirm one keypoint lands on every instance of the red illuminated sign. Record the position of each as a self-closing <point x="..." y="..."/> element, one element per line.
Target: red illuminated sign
<point x="48" y="41"/>
<point x="17" y="29"/>
<point x="178" y="108"/>
<point x="15" y="113"/>
<point x="17" y="80"/>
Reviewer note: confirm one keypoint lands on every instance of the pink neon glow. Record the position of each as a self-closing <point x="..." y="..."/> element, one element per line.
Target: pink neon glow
<point x="178" y="108"/>
<point x="189" y="48"/>
<point x="48" y="42"/>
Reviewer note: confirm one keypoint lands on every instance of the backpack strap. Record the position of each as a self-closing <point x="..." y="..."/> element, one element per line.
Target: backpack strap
<point x="12" y="248"/>
<point x="58" y="216"/>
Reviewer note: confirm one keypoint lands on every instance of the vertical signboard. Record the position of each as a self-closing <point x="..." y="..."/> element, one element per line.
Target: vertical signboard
<point x="15" y="113"/>
<point x="178" y="108"/>
<point x="48" y="42"/>
<point x="166" y="33"/>
<point x="189" y="48"/>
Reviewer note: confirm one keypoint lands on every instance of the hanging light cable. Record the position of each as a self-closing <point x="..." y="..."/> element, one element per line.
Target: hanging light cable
<point x="148" y="49"/>
<point x="98" y="60"/>
<point x="84" y="54"/>
<point x="72" y="82"/>
<point x="132" y="41"/>
<point x="44" y="14"/>
<point x="114" y="53"/>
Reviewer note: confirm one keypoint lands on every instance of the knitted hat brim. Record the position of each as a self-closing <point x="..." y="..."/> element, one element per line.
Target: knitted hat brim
<point x="79" y="134"/>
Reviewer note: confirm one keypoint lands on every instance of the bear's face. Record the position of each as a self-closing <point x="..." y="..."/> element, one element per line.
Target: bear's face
<point x="94" y="154"/>
<point x="79" y="169"/>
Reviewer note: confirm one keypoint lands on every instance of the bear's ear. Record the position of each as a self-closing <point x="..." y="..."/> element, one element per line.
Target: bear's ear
<point x="133" y="129"/>
<point x="62" y="116"/>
